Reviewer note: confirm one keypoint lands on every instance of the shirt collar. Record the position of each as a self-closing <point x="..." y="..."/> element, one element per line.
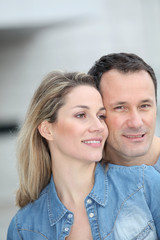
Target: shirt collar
<point x="56" y="209"/>
<point x="100" y="188"/>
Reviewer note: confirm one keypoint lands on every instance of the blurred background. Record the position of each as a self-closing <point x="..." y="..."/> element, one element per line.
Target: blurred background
<point x="38" y="36"/>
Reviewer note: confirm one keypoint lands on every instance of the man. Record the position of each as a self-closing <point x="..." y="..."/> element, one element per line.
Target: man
<point x="129" y="90"/>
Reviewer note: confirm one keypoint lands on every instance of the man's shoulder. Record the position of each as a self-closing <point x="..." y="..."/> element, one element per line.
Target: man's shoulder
<point x="157" y="165"/>
<point x="152" y="175"/>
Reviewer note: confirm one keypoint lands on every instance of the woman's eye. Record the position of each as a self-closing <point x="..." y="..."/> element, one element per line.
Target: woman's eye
<point x="102" y="116"/>
<point x="80" y="115"/>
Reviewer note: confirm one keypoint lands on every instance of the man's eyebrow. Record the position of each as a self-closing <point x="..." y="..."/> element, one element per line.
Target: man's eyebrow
<point x="147" y="100"/>
<point x="123" y="102"/>
<point x="118" y="103"/>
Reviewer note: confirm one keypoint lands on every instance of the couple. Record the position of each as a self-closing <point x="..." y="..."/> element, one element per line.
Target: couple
<point x="65" y="191"/>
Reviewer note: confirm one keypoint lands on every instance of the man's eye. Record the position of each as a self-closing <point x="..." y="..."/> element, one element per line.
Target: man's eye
<point x="119" y="108"/>
<point x="145" y="106"/>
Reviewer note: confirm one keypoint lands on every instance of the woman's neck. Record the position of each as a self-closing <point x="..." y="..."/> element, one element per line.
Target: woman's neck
<point x="73" y="181"/>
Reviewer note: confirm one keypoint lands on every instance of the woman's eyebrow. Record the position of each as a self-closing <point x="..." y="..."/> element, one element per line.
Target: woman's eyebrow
<point x="86" y="107"/>
<point x="81" y="106"/>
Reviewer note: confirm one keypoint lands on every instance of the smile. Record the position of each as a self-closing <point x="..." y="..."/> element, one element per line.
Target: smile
<point x="92" y="141"/>
<point x="135" y="136"/>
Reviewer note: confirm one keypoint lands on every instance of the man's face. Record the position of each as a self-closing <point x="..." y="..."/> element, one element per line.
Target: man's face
<point x="129" y="99"/>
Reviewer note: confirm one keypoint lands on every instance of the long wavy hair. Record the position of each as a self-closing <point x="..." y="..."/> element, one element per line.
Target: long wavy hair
<point x="34" y="159"/>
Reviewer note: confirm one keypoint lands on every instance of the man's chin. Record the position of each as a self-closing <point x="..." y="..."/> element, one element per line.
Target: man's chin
<point x="136" y="154"/>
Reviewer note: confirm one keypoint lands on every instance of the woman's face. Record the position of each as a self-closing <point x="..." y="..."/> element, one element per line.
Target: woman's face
<point x="80" y="130"/>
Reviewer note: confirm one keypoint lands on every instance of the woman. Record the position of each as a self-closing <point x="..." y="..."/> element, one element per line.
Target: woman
<point x="59" y="145"/>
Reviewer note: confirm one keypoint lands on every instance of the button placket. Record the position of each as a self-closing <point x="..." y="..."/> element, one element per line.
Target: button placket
<point x="91" y="215"/>
<point x="89" y="201"/>
<point x="66" y="229"/>
<point x="68" y="224"/>
<point x="70" y="216"/>
<point x="91" y="209"/>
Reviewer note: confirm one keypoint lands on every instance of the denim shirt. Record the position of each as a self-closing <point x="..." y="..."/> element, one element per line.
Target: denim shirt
<point x="124" y="204"/>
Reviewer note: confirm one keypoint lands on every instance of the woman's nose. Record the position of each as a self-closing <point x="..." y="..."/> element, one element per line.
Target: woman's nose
<point x="97" y="125"/>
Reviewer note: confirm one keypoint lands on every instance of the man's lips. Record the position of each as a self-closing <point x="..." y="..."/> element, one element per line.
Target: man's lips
<point x="135" y="136"/>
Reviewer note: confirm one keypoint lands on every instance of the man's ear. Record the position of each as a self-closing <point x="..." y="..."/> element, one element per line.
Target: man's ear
<point x="46" y="130"/>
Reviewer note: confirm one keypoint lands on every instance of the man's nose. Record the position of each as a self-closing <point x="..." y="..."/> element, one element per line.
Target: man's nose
<point x="135" y="119"/>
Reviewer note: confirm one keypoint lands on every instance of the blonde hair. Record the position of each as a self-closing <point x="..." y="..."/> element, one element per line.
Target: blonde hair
<point x="34" y="160"/>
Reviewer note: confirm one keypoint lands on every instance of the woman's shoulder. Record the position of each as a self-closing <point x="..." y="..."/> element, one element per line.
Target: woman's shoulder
<point x="29" y="216"/>
<point x="30" y="211"/>
<point x="31" y="208"/>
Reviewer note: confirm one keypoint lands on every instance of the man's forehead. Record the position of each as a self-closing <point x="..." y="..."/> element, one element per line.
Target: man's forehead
<point x="127" y="88"/>
<point x="114" y="77"/>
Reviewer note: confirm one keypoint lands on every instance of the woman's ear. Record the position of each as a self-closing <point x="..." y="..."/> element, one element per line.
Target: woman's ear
<point x="46" y="130"/>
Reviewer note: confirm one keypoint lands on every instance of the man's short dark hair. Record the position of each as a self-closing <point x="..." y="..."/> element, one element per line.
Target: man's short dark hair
<point x="122" y="62"/>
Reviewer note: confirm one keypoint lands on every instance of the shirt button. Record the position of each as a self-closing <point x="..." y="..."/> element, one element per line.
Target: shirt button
<point x="91" y="215"/>
<point x="70" y="215"/>
<point x="66" y="229"/>
<point x="89" y="201"/>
